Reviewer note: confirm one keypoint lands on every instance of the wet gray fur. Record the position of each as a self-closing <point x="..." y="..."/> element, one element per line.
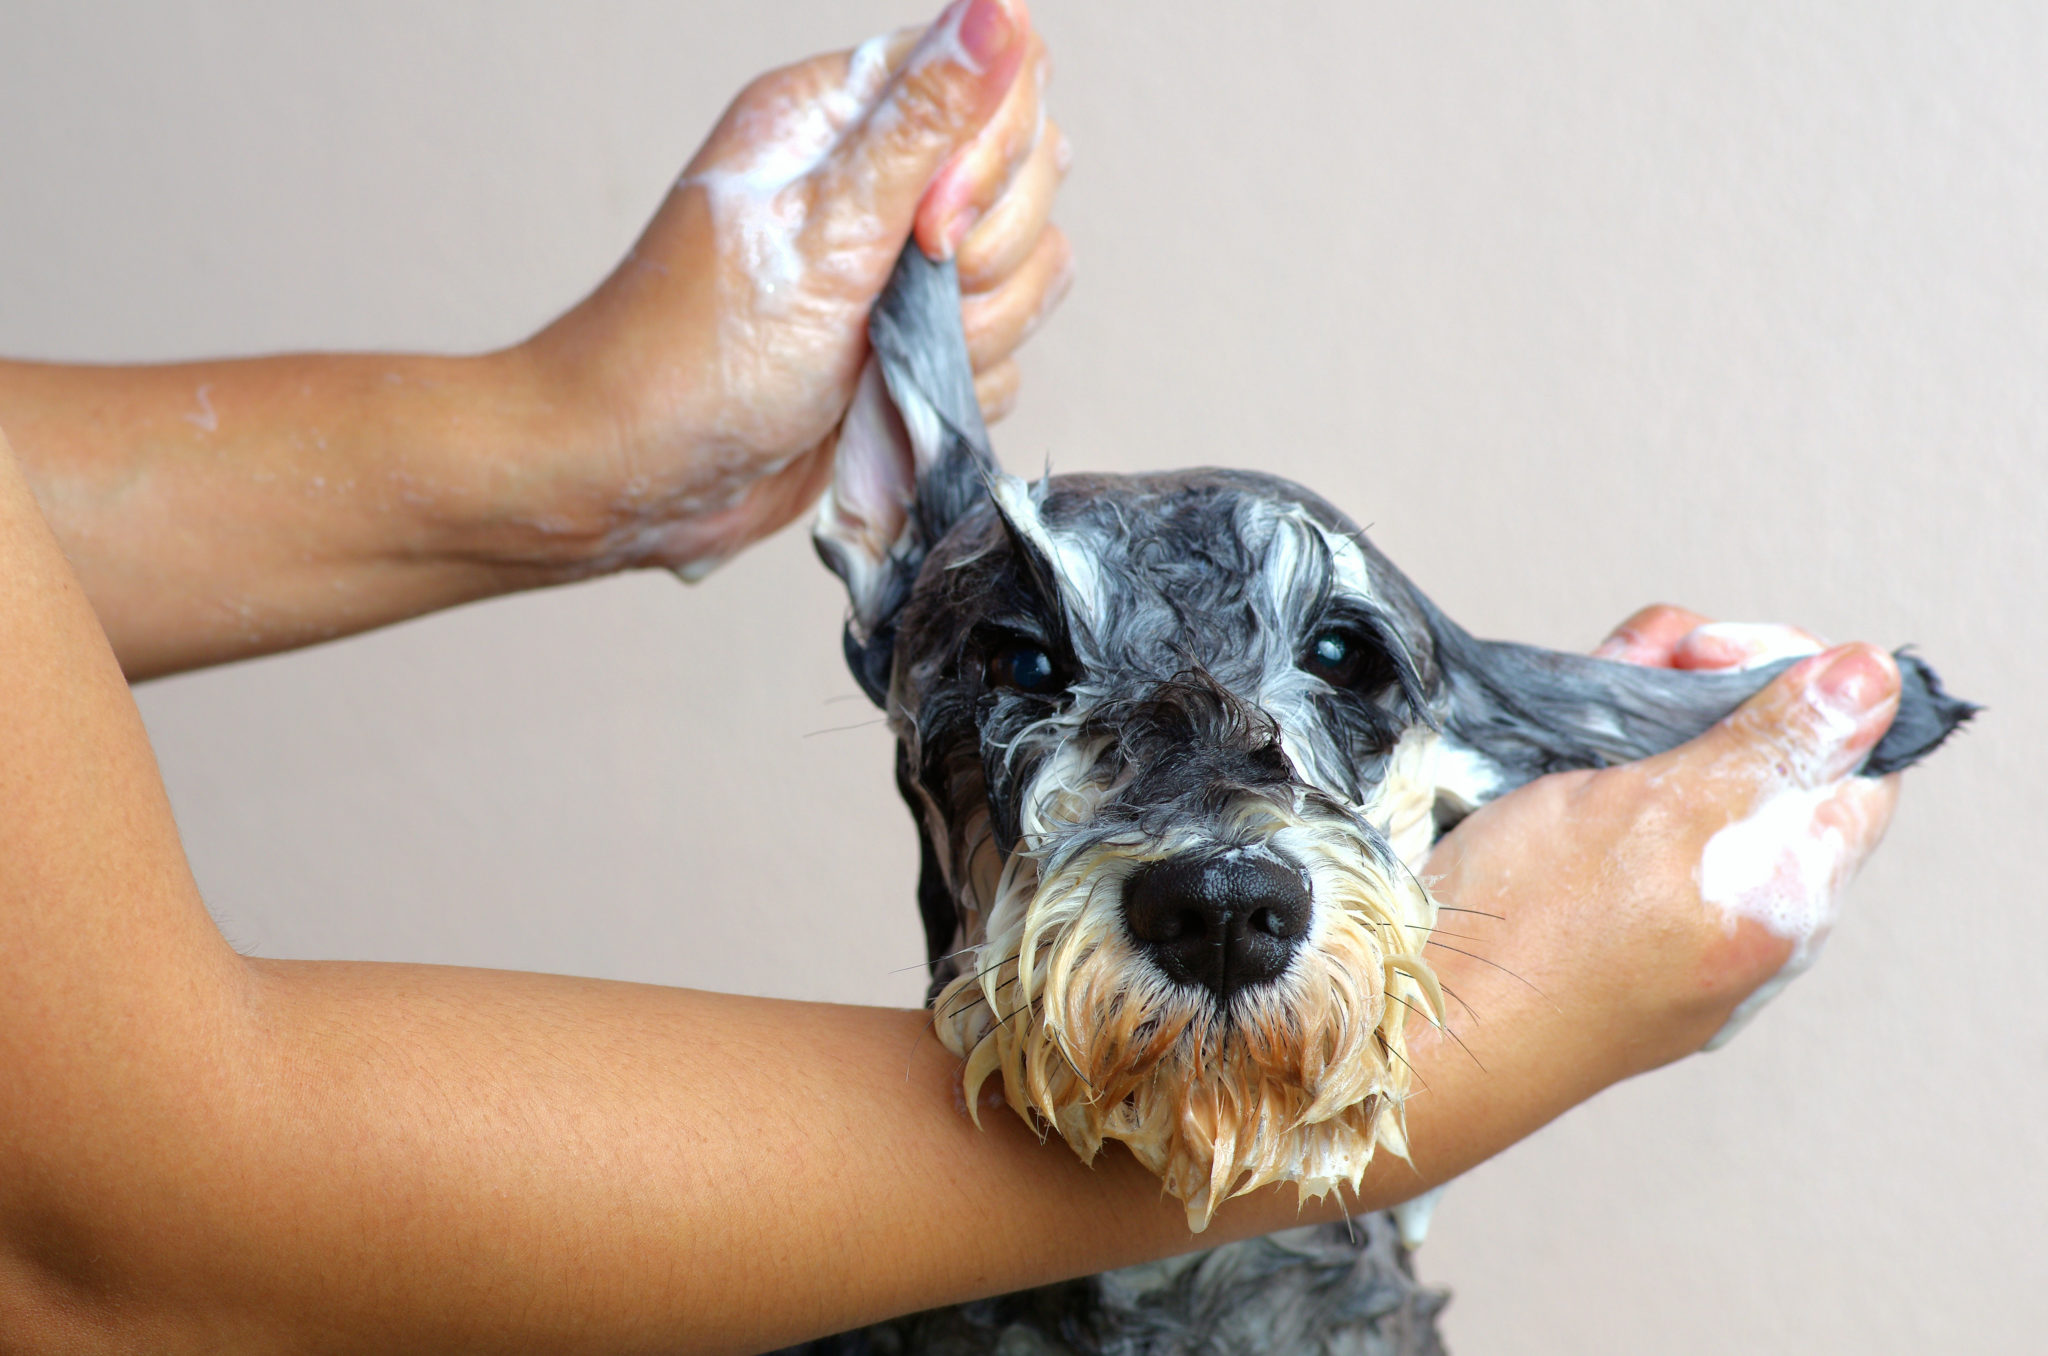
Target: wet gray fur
<point x="1184" y="666"/>
<point x="1324" y="1290"/>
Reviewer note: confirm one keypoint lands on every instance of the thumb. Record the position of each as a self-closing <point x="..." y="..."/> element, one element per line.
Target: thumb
<point x="866" y="191"/>
<point x="1811" y="727"/>
<point x="1793" y="823"/>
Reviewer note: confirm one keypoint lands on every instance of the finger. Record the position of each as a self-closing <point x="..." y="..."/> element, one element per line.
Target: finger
<point x="1810" y="728"/>
<point x="996" y="389"/>
<point x="1649" y="636"/>
<point x="975" y="176"/>
<point x="998" y="321"/>
<point x="1005" y="235"/>
<point x="1742" y="645"/>
<point x="866" y="191"/>
<point x="695" y="546"/>
<point x="796" y="112"/>
<point x="1861" y="810"/>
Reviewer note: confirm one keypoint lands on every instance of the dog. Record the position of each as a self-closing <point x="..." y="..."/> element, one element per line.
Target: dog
<point x="1175" y="745"/>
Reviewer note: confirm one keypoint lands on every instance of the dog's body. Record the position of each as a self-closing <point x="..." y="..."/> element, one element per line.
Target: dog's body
<point x="1328" y="1290"/>
<point x="1176" y="745"/>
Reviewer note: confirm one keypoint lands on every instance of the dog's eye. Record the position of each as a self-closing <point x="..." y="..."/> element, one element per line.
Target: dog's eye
<point x="1345" y="659"/>
<point x="1023" y="666"/>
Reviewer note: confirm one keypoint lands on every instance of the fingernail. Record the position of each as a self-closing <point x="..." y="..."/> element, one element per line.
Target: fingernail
<point x="1854" y="681"/>
<point x="1615" y="646"/>
<point x="986" y="29"/>
<point x="956" y="230"/>
<point x="1745" y="645"/>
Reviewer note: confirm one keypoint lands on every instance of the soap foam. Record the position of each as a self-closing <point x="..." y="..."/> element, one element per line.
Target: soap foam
<point x="1784" y="867"/>
<point x="749" y="198"/>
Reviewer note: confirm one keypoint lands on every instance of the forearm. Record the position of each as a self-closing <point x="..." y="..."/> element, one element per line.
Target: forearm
<point x="220" y="510"/>
<point x="640" y="1167"/>
<point x="446" y="1160"/>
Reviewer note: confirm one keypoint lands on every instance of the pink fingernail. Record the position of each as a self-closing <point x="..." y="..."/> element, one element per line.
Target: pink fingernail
<point x="963" y="222"/>
<point x="1854" y="681"/>
<point x="1744" y="645"/>
<point x="986" y="29"/>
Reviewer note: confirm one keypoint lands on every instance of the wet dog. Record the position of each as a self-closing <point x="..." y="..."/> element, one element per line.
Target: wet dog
<point x="1175" y="745"/>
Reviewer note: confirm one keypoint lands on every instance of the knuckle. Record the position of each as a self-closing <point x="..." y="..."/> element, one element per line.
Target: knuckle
<point x="1061" y="246"/>
<point x="765" y="87"/>
<point x="1629" y="804"/>
<point x="935" y="97"/>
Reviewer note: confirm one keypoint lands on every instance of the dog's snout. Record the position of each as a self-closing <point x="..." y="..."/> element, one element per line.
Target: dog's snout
<point x="1225" y="920"/>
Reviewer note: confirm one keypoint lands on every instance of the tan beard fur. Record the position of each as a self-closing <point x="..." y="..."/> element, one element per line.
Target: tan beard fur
<point x="1304" y="1081"/>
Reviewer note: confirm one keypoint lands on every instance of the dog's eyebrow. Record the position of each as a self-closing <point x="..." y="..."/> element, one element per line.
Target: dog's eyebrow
<point x="1018" y="621"/>
<point x="1302" y="563"/>
<point x="1075" y="574"/>
<point x="1349" y="570"/>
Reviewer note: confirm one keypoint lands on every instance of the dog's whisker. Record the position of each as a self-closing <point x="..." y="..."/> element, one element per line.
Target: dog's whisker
<point x="1453" y="908"/>
<point x="842" y="729"/>
<point x="968" y="998"/>
<point x="1498" y="966"/>
<point x="1392" y="1053"/>
<point x="1444" y="1027"/>
<point x="1469" y="1009"/>
<point x="935" y="960"/>
<point x="1435" y="931"/>
<point x="976" y="979"/>
<point x="1075" y="1069"/>
<point x="993" y="1030"/>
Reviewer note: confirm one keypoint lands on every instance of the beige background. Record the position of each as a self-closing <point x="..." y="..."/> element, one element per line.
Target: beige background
<point x="1741" y="305"/>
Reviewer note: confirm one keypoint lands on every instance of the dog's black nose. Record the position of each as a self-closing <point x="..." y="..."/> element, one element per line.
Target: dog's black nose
<point x="1222" y="920"/>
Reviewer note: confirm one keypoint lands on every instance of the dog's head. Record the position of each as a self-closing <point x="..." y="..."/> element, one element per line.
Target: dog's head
<point x="1175" y="744"/>
<point x="1164" y="737"/>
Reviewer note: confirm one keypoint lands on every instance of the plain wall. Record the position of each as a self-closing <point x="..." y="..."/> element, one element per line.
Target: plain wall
<point x="1579" y="306"/>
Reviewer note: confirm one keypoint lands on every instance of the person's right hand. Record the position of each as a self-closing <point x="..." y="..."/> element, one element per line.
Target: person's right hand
<point x="1627" y="914"/>
<point x="701" y="386"/>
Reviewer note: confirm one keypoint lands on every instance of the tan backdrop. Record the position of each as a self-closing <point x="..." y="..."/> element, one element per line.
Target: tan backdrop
<point x="1579" y="305"/>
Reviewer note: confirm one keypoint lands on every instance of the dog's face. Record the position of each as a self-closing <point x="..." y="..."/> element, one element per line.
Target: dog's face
<point x="1169" y="743"/>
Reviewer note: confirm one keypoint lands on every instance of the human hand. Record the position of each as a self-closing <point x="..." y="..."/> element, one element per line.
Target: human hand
<point x="701" y="385"/>
<point x="1607" y="922"/>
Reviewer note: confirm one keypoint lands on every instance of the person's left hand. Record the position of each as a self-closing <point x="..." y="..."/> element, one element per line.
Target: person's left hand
<point x="1584" y="935"/>
<point x="699" y="389"/>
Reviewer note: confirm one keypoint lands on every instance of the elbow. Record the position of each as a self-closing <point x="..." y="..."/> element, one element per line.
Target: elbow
<point x="59" y="1289"/>
<point x="124" y="1189"/>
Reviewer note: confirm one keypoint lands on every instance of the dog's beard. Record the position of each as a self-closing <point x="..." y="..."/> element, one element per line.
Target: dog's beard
<point x="1299" y="1079"/>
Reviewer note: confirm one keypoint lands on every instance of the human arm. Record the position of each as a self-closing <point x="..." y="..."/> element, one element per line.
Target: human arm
<point x="199" y="1150"/>
<point x="218" y="510"/>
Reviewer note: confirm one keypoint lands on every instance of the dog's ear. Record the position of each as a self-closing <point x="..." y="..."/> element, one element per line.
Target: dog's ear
<point x="1532" y="711"/>
<point x="913" y="456"/>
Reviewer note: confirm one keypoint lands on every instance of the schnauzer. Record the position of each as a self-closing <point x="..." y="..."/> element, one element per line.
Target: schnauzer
<point x="1175" y="745"/>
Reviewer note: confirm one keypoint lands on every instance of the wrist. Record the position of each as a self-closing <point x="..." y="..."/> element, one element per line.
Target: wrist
<point x="535" y="483"/>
